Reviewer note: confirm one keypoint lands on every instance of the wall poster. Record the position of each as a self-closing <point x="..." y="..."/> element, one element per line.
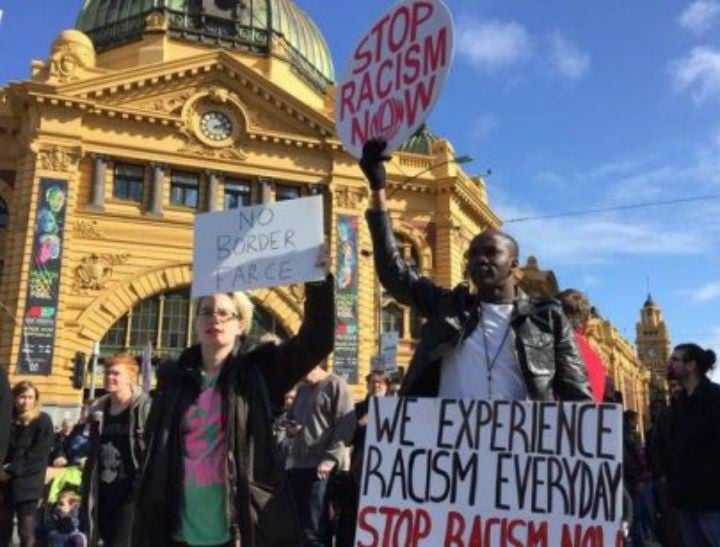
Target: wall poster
<point x="346" y="299"/>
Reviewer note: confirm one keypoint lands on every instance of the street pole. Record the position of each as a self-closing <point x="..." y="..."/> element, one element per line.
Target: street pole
<point x="93" y="368"/>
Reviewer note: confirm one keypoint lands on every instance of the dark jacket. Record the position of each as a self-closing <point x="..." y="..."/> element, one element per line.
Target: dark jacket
<point x="261" y="502"/>
<point x="544" y="339"/>
<point x="693" y="472"/>
<point x="6" y="404"/>
<point x="139" y="412"/>
<point x="27" y="456"/>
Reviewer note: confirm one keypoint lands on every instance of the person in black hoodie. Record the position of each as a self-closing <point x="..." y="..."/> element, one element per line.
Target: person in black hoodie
<point x="22" y="476"/>
<point x="693" y="471"/>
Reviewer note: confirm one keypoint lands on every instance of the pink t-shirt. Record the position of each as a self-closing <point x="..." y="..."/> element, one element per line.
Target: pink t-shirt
<point x="204" y="516"/>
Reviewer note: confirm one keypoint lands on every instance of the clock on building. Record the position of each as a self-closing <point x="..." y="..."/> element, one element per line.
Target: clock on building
<point x="216" y="126"/>
<point x="653" y="352"/>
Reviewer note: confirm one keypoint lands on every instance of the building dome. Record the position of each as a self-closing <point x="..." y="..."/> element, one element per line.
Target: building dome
<point x="254" y="26"/>
<point x="420" y="142"/>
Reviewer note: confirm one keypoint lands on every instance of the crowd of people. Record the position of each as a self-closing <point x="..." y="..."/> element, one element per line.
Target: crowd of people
<point x="260" y="445"/>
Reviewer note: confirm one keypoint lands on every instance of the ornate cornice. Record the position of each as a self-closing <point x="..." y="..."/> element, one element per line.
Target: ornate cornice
<point x="58" y="158"/>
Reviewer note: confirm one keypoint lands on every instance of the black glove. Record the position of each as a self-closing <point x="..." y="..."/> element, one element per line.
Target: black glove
<point x="373" y="161"/>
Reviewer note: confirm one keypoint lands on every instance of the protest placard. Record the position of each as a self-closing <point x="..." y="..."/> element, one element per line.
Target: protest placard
<point x="463" y="473"/>
<point x="259" y="246"/>
<point x="395" y="74"/>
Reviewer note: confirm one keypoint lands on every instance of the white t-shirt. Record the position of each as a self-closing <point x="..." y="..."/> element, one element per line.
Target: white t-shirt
<point x="464" y="373"/>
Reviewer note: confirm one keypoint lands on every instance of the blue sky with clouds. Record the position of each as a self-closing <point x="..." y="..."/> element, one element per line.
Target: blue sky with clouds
<point x="574" y="106"/>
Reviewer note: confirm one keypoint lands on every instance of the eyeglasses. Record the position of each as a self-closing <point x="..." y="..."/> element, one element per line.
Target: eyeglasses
<point x="222" y="315"/>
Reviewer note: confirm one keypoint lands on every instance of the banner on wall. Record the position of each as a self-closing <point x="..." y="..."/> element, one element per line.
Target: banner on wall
<point x="346" y="300"/>
<point x="39" y="319"/>
<point x="491" y="473"/>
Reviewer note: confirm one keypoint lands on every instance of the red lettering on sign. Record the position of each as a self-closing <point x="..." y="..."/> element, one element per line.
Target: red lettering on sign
<point x="454" y="529"/>
<point x="365" y="526"/>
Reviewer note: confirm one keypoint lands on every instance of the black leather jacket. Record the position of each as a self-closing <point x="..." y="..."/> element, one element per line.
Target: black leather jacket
<point x="544" y="340"/>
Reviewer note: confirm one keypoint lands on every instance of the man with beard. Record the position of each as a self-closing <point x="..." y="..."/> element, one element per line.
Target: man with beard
<point x="484" y="339"/>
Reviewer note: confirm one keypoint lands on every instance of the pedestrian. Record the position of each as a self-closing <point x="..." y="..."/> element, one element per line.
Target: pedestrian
<point x="117" y="451"/>
<point x="484" y="339"/>
<point x="62" y="438"/>
<point x="212" y="475"/>
<point x="6" y="406"/>
<point x="658" y="444"/>
<point x="22" y="476"/>
<point x="377" y="384"/>
<point x="323" y="412"/>
<point x="577" y="308"/>
<point x="63" y="523"/>
<point x="694" y="450"/>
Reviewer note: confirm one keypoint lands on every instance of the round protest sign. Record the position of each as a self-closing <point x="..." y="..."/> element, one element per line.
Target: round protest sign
<point x="395" y="74"/>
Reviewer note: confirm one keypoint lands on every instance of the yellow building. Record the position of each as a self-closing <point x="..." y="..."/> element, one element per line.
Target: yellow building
<point x="653" y="343"/>
<point x="151" y="112"/>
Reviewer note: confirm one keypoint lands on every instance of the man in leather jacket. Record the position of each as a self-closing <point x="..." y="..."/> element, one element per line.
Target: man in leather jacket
<point x="492" y="342"/>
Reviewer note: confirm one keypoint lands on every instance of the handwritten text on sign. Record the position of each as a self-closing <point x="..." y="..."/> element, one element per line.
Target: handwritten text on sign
<point x="395" y="74"/>
<point x="491" y="474"/>
<point x="260" y="246"/>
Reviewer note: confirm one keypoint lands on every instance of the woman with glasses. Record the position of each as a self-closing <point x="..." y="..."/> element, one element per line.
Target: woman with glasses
<point x="22" y="474"/>
<point x="212" y="476"/>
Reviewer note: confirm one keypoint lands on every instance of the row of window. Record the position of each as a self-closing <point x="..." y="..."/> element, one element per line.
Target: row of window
<point x="129" y="183"/>
<point x="165" y="320"/>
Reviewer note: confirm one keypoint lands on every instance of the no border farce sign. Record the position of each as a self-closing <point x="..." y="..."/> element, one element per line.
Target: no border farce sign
<point x="464" y="473"/>
<point x="395" y="75"/>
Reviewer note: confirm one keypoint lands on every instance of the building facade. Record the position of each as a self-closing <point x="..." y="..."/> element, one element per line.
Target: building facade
<point x="151" y="112"/>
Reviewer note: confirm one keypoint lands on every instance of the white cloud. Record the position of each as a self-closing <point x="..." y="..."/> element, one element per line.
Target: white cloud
<point x="568" y="60"/>
<point x="699" y="16"/>
<point x="483" y="126"/>
<point x="698" y="73"/>
<point x="595" y="239"/>
<point x="707" y="292"/>
<point x="493" y="44"/>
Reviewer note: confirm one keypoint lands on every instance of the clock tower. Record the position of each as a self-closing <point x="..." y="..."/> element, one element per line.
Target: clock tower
<point x="653" y="345"/>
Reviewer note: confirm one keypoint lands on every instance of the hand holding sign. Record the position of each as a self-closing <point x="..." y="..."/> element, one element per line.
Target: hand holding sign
<point x="395" y="74"/>
<point x="373" y="161"/>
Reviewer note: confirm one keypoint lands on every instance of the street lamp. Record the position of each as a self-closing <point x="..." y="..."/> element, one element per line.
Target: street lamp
<point x="458" y="160"/>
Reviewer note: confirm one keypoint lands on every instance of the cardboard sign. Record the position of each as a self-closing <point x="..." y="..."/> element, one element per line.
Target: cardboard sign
<point x="491" y="474"/>
<point x="395" y="75"/>
<point x="259" y="246"/>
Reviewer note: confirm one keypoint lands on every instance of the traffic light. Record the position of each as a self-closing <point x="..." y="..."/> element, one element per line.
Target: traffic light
<point x="78" y="373"/>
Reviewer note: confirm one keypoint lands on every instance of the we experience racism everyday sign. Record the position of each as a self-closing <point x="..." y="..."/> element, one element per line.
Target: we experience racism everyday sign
<point x="395" y="75"/>
<point x="463" y="473"/>
<point x="259" y="246"/>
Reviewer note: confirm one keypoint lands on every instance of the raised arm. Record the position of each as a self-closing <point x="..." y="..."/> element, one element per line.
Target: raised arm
<point x="290" y="361"/>
<point x="405" y="284"/>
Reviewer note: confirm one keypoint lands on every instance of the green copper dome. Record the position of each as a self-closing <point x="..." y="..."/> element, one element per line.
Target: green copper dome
<point x="420" y="142"/>
<point x="245" y="25"/>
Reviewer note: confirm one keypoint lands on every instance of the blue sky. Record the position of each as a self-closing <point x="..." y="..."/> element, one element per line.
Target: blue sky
<point x="573" y="105"/>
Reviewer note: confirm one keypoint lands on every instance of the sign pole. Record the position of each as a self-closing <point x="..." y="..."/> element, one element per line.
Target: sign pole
<point x="93" y="368"/>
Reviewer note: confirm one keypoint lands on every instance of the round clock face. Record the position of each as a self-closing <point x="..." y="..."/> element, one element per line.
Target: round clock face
<point x="216" y="126"/>
<point x="653" y="352"/>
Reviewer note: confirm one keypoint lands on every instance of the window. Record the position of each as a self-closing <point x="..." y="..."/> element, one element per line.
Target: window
<point x="237" y="193"/>
<point x="392" y="319"/>
<point x="284" y="192"/>
<point x="165" y="320"/>
<point x="4" y="214"/>
<point x="144" y="323"/>
<point x="115" y="338"/>
<point x="176" y="307"/>
<point x="184" y="189"/>
<point x="395" y="317"/>
<point x="128" y="182"/>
